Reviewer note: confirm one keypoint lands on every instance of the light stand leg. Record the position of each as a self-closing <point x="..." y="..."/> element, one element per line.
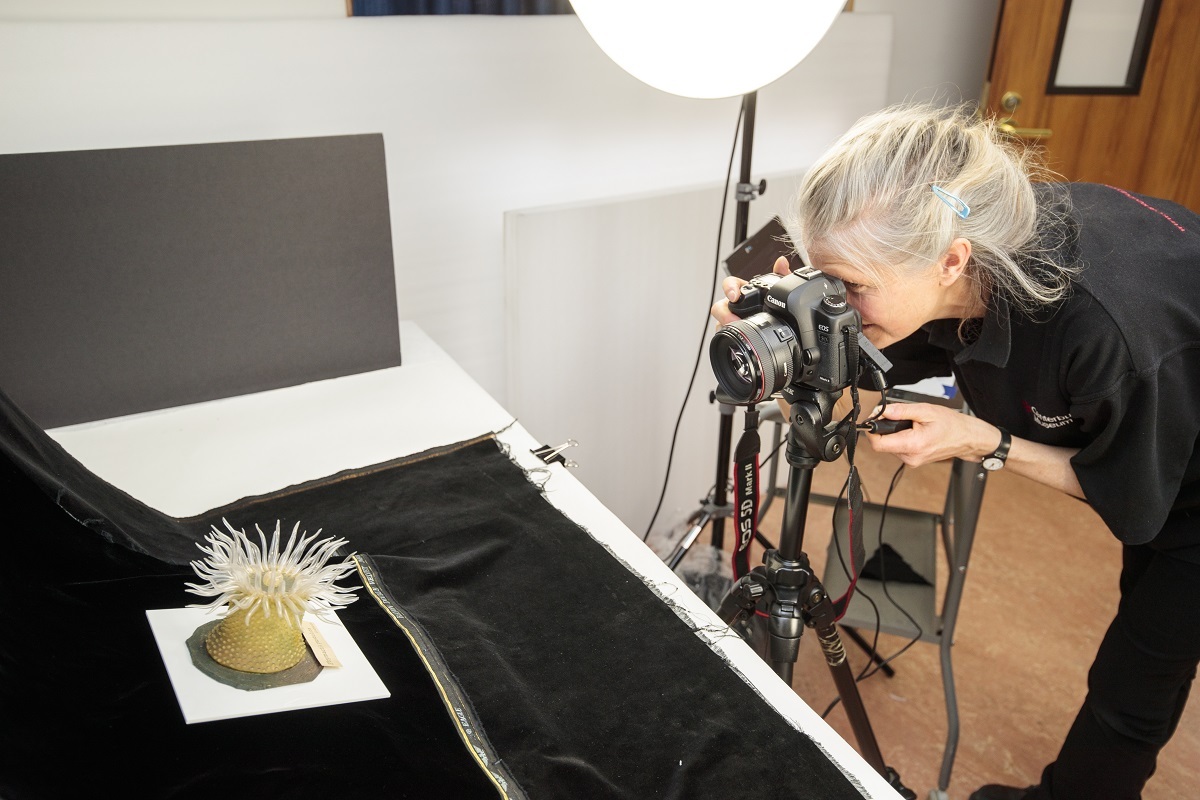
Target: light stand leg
<point x="699" y="520"/>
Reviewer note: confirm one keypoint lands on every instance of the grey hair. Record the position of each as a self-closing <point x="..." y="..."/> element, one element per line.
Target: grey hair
<point x="869" y="202"/>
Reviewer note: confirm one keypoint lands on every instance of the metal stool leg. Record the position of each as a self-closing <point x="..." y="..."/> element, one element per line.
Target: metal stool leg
<point x="963" y="500"/>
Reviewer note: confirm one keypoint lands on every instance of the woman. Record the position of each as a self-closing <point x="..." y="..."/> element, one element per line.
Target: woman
<point x="1070" y="316"/>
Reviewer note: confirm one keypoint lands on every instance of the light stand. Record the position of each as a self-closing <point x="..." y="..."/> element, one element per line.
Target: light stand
<point x="747" y="192"/>
<point x="717" y="508"/>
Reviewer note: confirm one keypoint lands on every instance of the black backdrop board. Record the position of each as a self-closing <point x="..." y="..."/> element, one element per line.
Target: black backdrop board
<point x="144" y="278"/>
<point x="584" y="682"/>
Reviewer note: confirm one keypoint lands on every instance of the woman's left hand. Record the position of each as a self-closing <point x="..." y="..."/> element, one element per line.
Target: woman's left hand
<point x="937" y="434"/>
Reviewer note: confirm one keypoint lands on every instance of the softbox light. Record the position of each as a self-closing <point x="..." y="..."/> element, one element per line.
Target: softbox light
<point x="707" y="48"/>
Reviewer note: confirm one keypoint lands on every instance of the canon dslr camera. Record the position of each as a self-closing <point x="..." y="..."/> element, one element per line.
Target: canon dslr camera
<point x="792" y="335"/>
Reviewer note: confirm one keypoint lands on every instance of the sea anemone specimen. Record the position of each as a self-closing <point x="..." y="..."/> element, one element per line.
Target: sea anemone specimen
<point x="267" y="591"/>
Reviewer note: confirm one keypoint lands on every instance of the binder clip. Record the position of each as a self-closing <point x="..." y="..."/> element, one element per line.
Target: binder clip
<point x="554" y="454"/>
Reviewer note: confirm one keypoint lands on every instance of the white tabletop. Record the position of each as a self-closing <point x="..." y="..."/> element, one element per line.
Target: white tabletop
<point x="184" y="461"/>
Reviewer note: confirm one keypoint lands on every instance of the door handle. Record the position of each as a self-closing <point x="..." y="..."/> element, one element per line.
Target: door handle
<point x="1009" y="102"/>
<point x="1024" y="133"/>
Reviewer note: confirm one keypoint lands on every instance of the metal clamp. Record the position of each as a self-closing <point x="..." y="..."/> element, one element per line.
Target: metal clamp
<point x="554" y="454"/>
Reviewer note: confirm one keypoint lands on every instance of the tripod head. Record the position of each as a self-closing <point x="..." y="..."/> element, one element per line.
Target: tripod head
<point x="813" y="436"/>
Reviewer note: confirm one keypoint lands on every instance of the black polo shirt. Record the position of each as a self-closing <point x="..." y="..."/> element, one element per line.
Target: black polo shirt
<point x="1113" y="370"/>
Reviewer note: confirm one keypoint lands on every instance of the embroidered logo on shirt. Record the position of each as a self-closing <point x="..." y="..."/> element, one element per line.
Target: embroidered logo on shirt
<point x="1047" y="421"/>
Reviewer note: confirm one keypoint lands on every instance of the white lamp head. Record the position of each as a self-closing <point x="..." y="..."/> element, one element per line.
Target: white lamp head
<point x="707" y="48"/>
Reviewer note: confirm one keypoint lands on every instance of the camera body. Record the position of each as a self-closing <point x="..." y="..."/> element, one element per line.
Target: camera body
<point x="791" y="333"/>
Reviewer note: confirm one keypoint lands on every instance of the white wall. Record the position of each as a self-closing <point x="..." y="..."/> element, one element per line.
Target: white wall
<point x="942" y="47"/>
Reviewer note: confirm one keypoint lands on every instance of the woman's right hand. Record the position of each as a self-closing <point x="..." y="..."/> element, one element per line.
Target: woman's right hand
<point x="732" y="288"/>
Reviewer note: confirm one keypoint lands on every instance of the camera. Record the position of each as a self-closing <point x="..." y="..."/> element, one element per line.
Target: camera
<point x="792" y="334"/>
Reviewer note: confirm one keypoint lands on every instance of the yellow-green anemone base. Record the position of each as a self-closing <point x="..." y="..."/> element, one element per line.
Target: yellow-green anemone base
<point x="265" y="645"/>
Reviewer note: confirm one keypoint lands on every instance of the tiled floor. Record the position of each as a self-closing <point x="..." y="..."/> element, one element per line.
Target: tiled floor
<point x="1040" y="591"/>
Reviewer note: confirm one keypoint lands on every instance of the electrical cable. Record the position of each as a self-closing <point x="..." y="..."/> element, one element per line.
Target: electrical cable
<point x="774" y="452"/>
<point x="837" y="544"/>
<point x="873" y="667"/>
<point x="704" y="332"/>
<point x="883" y="582"/>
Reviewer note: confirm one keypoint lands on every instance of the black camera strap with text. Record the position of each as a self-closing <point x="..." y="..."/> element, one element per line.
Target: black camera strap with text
<point x="858" y="552"/>
<point x="745" y="492"/>
<point x="854" y="498"/>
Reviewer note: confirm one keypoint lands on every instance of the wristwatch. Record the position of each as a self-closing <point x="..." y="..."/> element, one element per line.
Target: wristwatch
<point x="996" y="460"/>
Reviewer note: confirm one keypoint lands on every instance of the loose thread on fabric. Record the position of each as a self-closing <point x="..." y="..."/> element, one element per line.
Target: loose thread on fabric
<point x="506" y="427"/>
<point x="543" y="471"/>
<point x="710" y="632"/>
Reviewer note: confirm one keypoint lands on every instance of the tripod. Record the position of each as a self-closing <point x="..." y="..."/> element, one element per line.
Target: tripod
<point x="786" y="590"/>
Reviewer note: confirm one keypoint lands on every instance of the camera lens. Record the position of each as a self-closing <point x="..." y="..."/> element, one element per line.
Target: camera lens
<point x="753" y="358"/>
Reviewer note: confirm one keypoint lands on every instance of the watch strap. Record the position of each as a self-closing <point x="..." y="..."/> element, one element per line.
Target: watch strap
<point x="1000" y="454"/>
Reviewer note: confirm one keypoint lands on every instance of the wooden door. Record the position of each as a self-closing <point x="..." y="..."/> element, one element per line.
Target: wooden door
<point x="1144" y="136"/>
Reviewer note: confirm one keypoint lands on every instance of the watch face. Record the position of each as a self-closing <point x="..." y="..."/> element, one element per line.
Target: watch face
<point x="991" y="463"/>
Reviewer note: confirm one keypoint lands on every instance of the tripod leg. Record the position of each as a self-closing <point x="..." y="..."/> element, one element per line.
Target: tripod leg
<point x="822" y="620"/>
<point x="843" y="677"/>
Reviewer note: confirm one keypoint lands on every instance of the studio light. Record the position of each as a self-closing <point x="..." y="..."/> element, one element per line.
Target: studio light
<point x="707" y="48"/>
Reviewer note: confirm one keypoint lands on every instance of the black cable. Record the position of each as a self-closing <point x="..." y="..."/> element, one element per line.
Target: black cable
<point x="873" y="667"/>
<point x="883" y="401"/>
<point x="883" y="581"/>
<point x="774" y="452"/>
<point x="858" y="590"/>
<point x="707" y="321"/>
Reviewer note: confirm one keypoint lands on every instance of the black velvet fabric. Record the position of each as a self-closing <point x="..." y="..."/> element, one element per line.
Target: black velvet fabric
<point x="586" y="684"/>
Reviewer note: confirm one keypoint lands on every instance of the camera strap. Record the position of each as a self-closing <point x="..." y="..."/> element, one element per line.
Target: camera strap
<point x="745" y="491"/>
<point x="854" y="498"/>
<point x="858" y="553"/>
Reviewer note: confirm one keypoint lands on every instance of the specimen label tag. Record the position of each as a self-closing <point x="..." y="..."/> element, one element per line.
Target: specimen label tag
<point x="320" y="647"/>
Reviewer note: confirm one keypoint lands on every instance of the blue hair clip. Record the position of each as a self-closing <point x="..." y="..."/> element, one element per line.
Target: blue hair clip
<point x="955" y="203"/>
